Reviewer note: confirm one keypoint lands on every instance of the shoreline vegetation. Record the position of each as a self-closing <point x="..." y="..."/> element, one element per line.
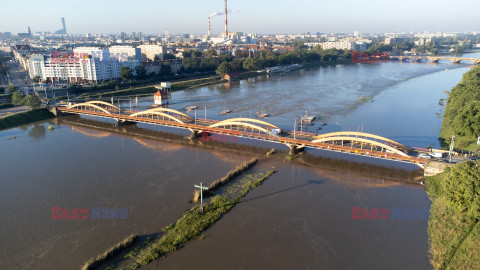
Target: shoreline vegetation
<point x="224" y="180"/>
<point x="150" y="89"/>
<point x="361" y="100"/>
<point x="454" y="223"/>
<point x="110" y="253"/>
<point x="193" y="223"/>
<point x="22" y="118"/>
<point x="190" y="225"/>
<point x="462" y="113"/>
<point x="185" y="83"/>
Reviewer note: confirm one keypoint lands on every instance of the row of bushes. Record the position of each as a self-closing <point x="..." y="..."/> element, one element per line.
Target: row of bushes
<point x="23" y="118"/>
<point x="224" y="180"/>
<point x="110" y="253"/>
<point x="193" y="223"/>
<point x="178" y="85"/>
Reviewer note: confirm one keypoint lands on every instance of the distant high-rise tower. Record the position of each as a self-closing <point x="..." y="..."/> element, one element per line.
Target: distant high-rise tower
<point x="63" y="25"/>
<point x="62" y="31"/>
<point x="29" y="31"/>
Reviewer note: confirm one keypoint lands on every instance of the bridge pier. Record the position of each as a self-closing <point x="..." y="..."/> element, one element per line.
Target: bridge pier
<point x="57" y="112"/>
<point x="295" y="149"/>
<point x="195" y="134"/>
<point x="120" y="123"/>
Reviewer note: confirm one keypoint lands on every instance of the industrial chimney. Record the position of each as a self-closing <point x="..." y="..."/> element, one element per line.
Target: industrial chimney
<point x="226" y="24"/>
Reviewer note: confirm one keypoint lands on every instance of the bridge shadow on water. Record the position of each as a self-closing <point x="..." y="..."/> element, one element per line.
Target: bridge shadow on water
<point x="319" y="160"/>
<point x="309" y="182"/>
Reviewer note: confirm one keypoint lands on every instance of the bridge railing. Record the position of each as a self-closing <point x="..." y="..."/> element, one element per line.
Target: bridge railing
<point x="280" y="139"/>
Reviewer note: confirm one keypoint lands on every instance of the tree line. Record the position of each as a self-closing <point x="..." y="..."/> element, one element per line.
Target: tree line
<point x="18" y="98"/>
<point x="462" y="112"/>
<point x="194" y="61"/>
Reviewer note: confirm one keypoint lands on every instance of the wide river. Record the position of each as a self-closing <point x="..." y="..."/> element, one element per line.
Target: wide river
<point x="300" y="218"/>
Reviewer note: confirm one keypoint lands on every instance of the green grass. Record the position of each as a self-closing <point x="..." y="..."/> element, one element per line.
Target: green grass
<point x="23" y="118"/>
<point x="453" y="236"/>
<point x="224" y="180"/>
<point x="467" y="255"/>
<point x="101" y="258"/>
<point x="193" y="223"/>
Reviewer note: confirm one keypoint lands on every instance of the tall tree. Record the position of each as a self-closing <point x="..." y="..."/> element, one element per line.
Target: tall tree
<point x="17" y="98"/>
<point x="11" y="88"/>
<point x="32" y="101"/>
<point x="223" y="68"/>
<point x="126" y="73"/>
<point x="141" y="72"/>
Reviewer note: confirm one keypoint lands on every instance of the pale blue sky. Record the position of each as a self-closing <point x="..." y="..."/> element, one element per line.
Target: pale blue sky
<point x="260" y="16"/>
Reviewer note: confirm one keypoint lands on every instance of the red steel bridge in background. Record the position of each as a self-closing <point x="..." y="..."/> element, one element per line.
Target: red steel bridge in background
<point x="350" y="142"/>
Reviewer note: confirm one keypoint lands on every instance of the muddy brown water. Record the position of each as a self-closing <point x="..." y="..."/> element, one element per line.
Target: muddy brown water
<point x="300" y="218"/>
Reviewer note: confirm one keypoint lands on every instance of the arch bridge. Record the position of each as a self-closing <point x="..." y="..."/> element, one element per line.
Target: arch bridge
<point x="435" y="59"/>
<point x="164" y="114"/>
<point x="344" y="141"/>
<point x="248" y="125"/>
<point x="363" y="141"/>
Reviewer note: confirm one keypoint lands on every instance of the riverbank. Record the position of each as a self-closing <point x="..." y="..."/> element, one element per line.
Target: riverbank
<point x="23" y="118"/>
<point x="192" y="223"/>
<point x="189" y="83"/>
<point x="454" y="232"/>
<point x="221" y="182"/>
<point x="110" y="253"/>
<point x="150" y="89"/>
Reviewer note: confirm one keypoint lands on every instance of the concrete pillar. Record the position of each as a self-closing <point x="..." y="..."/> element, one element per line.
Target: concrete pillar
<point x="123" y="123"/>
<point x="195" y="134"/>
<point x="295" y="149"/>
<point x="57" y="112"/>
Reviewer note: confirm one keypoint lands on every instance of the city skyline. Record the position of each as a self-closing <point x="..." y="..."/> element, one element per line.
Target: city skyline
<point x="269" y="16"/>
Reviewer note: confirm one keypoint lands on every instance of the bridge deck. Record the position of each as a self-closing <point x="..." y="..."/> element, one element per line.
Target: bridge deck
<point x="304" y="139"/>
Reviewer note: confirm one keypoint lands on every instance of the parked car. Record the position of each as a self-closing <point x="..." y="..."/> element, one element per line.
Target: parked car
<point x="424" y="156"/>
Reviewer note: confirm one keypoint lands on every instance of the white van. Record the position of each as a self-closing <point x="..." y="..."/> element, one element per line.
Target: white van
<point x="436" y="154"/>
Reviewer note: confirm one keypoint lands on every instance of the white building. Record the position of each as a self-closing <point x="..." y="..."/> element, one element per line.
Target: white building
<point x="340" y="45"/>
<point x="86" y="64"/>
<point x="125" y="53"/>
<point x="149" y="52"/>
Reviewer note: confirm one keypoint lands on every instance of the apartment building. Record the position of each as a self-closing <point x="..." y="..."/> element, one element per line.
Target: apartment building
<point x="85" y="64"/>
